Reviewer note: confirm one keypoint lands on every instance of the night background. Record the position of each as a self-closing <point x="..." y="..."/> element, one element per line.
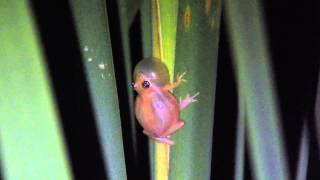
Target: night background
<point x="293" y="42"/>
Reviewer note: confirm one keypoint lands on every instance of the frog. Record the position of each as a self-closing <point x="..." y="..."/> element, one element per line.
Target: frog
<point x="156" y="107"/>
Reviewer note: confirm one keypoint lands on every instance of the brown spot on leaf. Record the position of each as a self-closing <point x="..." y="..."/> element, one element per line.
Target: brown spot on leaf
<point x="187" y="17"/>
<point x="207" y="6"/>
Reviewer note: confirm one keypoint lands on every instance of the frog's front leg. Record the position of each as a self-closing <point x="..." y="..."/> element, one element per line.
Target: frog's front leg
<point x="188" y="100"/>
<point x="179" y="80"/>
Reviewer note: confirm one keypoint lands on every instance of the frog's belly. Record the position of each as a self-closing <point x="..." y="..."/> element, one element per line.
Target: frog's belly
<point x="156" y="117"/>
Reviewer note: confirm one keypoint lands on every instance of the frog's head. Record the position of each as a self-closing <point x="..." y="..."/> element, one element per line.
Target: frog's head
<point x="150" y="74"/>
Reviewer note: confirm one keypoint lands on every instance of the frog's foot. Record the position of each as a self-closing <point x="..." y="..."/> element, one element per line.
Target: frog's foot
<point x="180" y="78"/>
<point x="173" y="128"/>
<point x="166" y="140"/>
<point x="188" y="100"/>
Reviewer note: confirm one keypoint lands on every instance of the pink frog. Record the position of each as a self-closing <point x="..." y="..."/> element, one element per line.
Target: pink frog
<point x="156" y="108"/>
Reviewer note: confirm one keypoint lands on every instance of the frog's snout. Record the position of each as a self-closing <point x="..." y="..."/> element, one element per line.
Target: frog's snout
<point x="133" y="85"/>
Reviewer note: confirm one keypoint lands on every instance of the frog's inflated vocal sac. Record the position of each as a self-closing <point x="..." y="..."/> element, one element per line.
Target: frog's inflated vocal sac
<point x="156" y="108"/>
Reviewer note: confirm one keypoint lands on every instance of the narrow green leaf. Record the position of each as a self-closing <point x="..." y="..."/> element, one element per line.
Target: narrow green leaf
<point x="127" y="11"/>
<point x="93" y="32"/>
<point x="164" y="24"/>
<point x="132" y="7"/>
<point x="251" y="59"/>
<point x="168" y="16"/>
<point x="196" y="54"/>
<point x="32" y="146"/>
<point x="146" y="28"/>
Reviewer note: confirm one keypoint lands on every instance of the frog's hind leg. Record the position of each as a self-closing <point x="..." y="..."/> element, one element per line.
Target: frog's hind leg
<point x="173" y="128"/>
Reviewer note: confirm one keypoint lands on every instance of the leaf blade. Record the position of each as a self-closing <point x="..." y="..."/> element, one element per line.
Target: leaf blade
<point x="196" y="53"/>
<point x="93" y="32"/>
<point x="30" y="132"/>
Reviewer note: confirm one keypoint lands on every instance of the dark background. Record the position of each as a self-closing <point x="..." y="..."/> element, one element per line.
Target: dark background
<point x="293" y="40"/>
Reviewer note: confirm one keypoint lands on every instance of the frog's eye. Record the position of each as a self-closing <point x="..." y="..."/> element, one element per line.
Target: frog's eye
<point x="145" y="84"/>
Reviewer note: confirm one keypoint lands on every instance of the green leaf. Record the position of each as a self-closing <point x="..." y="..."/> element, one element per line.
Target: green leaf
<point x="127" y="11"/>
<point x="131" y="7"/>
<point x="146" y="28"/>
<point x="196" y="54"/>
<point x="251" y="61"/>
<point x="163" y="27"/>
<point x="32" y="146"/>
<point x="93" y="32"/>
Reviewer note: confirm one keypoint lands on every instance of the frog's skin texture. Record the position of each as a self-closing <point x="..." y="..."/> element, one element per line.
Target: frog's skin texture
<point x="157" y="109"/>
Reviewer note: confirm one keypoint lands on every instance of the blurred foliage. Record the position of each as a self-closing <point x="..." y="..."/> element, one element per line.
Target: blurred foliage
<point x="251" y="60"/>
<point x="31" y="143"/>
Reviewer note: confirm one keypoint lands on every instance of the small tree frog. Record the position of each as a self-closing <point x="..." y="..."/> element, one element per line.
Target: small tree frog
<point x="156" y="108"/>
